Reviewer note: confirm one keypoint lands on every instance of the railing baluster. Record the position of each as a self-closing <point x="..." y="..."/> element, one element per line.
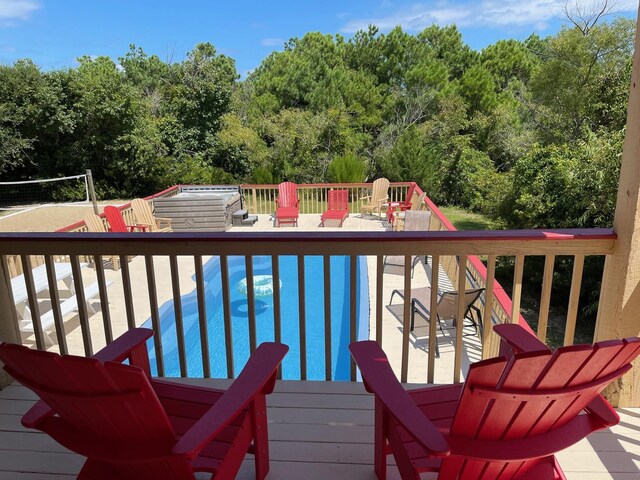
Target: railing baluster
<point x="251" y="303"/>
<point x="277" y="325"/>
<point x="32" y="300"/>
<point x="545" y="297"/>
<point x="517" y="289"/>
<point x="202" y="317"/>
<point x="226" y="304"/>
<point x="406" y="319"/>
<point x="55" y="305"/>
<point x="76" y="270"/>
<point x="574" y="299"/>
<point x="462" y="286"/>
<point x="126" y="287"/>
<point x="155" y="316"/>
<point x="177" y="311"/>
<point x="433" y="317"/>
<point x="327" y="317"/>
<point x="379" y="294"/>
<point x="104" y="299"/>
<point x="353" y="308"/>
<point x="7" y="271"/>
<point x="488" y="306"/>
<point x="254" y="199"/>
<point x="302" y="319"/>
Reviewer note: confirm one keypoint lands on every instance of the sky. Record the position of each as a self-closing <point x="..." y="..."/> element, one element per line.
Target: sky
<point x="53" y="33"/>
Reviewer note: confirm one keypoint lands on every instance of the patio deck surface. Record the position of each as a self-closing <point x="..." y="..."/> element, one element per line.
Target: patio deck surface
<point x="317" y="430"/>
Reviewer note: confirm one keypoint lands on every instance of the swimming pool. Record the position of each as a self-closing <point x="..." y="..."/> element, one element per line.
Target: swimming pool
<point x="314" y="313"/>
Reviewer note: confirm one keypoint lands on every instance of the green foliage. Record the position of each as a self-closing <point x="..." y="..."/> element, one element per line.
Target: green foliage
<point x="478" y="89"/>
<point x="413" y="157"/>
<point x="509" y="60"/>
<point x="580" y="74"/>
<point x="470" y="180"/>
<point x="347" y="169"/>
<point x="565" y="187"/>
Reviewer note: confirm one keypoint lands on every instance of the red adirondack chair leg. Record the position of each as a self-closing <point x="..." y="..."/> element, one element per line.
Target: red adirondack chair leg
<point x="260" y="436"/>
<point x="380" y="441"/>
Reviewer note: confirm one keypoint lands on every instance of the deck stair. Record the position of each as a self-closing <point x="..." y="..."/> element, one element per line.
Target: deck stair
<point x="241" y="218"/>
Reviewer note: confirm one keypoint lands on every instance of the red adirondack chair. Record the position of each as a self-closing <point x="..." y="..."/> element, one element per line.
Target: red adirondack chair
<point x="400" y="206"/>
<point x="132" y="426"/>
<point x="287" y="204"/>
<point x="116" y="222"/>
<point x="509" y="417"/>
<point x="337" y="206"/>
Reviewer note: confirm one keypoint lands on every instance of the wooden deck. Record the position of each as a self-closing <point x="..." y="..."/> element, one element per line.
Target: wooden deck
<point x="317" y="431"/>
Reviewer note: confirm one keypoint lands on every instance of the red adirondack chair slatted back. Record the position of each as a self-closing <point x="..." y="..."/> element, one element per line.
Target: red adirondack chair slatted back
<point x="338" y="200"/>
<point x="287" y="194"/>
<point x="98" y="408"/>
<point x="499" y="416"/>
<point x="114" y="217"/>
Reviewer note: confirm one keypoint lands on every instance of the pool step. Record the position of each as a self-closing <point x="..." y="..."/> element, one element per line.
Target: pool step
<point x="241" y="218"/>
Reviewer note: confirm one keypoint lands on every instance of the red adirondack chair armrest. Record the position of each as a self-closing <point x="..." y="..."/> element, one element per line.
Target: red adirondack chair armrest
<point x="380" y="380"/>
<point x="515" y="339"/>
<point x="257" y="377"/>
<point x="603" y="410"/>
<point x="131" y="346"/>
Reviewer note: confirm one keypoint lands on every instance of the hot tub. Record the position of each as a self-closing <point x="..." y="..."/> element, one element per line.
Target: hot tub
<point x="200" y="208"/>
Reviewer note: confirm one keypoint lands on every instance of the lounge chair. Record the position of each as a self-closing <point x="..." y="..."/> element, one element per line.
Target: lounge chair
<point x="144" y="216"/>
<point x="375" y="201"/>
<point x="337" y="206"/>
<point x="416" y="221"/>
<point x="506" y="421"/>
<point x="398" y="220"/>
<point x="116" y="222"/>
<point x="447" y="308"/>
<point x="132" y="426"/>
<point x="67" y="306"/>
<point x="287" y="204"/>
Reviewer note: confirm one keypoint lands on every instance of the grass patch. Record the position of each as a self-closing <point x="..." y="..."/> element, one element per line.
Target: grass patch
<point x="464" y="220"/>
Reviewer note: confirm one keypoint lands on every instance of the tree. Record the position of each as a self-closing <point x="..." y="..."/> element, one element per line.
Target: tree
<point x="509" y="60"/>
<point x="347" y="168"/>
<point x="34" y="116"/>
<point x="578" y="69"/>
<point x="478" y="89"/>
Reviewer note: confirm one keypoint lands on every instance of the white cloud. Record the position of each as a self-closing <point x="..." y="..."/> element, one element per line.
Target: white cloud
<point x="17" y="9"/>
<point x="485" y="13"/>
<point x="272" y="42"/>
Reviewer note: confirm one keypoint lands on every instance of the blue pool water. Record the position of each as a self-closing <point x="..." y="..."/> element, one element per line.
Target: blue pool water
<point x="314" y="312"/>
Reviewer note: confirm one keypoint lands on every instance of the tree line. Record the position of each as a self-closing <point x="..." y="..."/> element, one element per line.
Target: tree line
<point x="529" y="132"/>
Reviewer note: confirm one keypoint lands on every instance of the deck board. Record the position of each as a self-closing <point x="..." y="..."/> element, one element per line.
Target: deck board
<point x="317" y="431"/>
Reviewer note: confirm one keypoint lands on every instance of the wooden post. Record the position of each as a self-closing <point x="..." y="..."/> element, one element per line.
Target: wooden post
<point x="619" y="307"/>
<point x="92" y="193"/>
<point x="8" y="322"/>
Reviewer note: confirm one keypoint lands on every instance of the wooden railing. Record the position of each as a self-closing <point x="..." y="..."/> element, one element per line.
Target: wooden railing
<point x="261" y="199"/>
<point x="183" y="255"/>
